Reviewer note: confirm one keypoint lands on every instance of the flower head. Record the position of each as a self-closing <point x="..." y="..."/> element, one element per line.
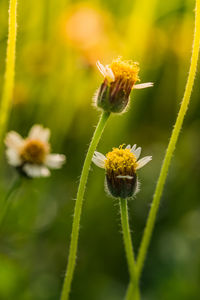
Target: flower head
<point x="31" y="156"/>
<point x="119" y="79"/>
<point x="121" y="165"/>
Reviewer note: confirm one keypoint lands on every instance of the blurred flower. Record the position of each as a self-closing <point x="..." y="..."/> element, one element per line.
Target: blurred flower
<point x="121" y="166"/>
<point x="91" y="27"/>
<point x="31" y="156"/>
<point x="88" y="29"/>
<point x="119" y="79"/>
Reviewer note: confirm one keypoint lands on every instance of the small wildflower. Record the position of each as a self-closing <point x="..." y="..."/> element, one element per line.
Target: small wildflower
<point x="121" y="165"/>
<point x="31" y="156"/>
<point x="119" y="79"/>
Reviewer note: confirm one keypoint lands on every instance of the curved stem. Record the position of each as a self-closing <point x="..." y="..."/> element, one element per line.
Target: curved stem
<point x="78" y="206"/>
<point x="6" y="203"/>
<point x="171" y="146"/>
<point x="129" y="250"/>
<point x="6" y="101"/>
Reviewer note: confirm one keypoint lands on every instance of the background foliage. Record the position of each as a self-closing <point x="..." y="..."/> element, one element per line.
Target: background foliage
<point x="57" y="46"/>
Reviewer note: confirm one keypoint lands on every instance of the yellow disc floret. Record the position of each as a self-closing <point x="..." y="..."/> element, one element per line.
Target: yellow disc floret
<point x="120" y="162"/>
<point x="34" y="151"/>
<point x="125" y="69"/>
<point x="120" y="78"/>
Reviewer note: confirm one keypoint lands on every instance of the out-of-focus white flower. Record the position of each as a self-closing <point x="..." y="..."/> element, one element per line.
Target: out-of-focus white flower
<point x="31" y="156"/>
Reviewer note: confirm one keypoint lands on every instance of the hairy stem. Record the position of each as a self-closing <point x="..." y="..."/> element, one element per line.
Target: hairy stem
<point x="6" y="101"/>
<point x="78" y="206"/>
<point x="171" y="146"/>
<point x="129" y="250"/>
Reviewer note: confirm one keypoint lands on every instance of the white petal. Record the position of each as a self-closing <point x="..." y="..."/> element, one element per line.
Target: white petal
<point x="99" y="159"/>
<point x="99" y="155"/>
<point x="40" y="133"/>
<point x="125" y="177"/>
<point x="137" y="152"/>
<point x="109" y="74"/>
<point x="14" y="140"/>
<point x="98" y="162"/>
<point x="55" y="161"/>
<point x="13" y="157"/>
<point x="101" y="68"/>
<point x="143" y="161"/>
<point x="36" y="171"/>
<point x="143" y="85"/>
<point x="133" y="148"/>
<point x="128" y="147"/>
<point x="106" y="72"/>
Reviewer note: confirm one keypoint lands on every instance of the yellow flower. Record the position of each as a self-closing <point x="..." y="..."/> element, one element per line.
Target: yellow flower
<point x="121" y="165"/>
<point x="119" y="79"/>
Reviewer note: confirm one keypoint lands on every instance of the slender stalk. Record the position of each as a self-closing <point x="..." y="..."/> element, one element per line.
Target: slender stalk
<point x="7" y="200"/>
<point x="171" y="146"/>
<point x="78" y="206"/>
<point x="129" y="250"/>
<point x="130" y="291"/>
<point x="6" y="101"/>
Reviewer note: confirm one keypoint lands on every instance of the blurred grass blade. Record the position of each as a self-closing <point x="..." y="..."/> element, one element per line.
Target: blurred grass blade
<point x="6" y="101"/>
<point x="7" y="200"/>
<point x="138" y="30"/>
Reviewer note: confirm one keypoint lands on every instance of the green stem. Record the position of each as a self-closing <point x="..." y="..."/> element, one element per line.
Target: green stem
<point x="130" y="291"/>
<point x="7" y="200"/>
<point x="171" y="146"/>
<point x="6" y="101"/>
<point x="129" y="250"/>
<point x="78" y="206"/>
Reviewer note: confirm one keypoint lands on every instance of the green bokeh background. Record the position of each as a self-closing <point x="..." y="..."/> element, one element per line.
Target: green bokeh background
<point x="57" y="45"/>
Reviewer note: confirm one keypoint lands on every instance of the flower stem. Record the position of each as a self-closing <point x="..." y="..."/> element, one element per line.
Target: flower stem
<point x="129" y="250"/>
<point x="130" y="291"/>
<point x="6" y="101"/>
<point x="78" y="206"/>
<point x="171" y="146"/>
<point x="6" y="203"/>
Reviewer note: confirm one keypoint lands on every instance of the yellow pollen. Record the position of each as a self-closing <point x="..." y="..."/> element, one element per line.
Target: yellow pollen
<point x="34" y="151"/>
<point x="120" y="162"/>
<point x="125" y="69"/>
